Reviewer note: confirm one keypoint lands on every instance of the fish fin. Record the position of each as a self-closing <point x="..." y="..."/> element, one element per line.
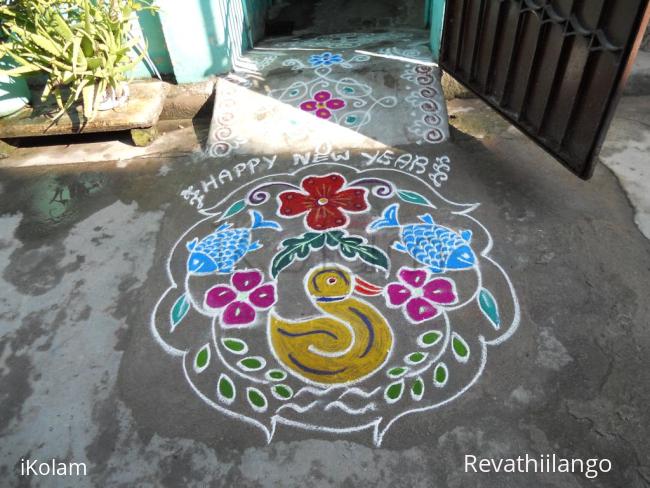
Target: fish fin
<point x="258" y="222"/>
<point x="223" y="227"/>
<point x="398" y="246"/>
<point x="467" y="235"/>
<point x="388" y="219"/>
<point x="192" y="244"/>
<point x="254" y="246"/>
<point x="435" y="269"/>
<point x="427" y="219"/>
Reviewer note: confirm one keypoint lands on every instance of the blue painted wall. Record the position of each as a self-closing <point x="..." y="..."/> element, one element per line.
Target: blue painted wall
<point x="436" y="16"/>
<point x="206" y="37"/>
<point x="196" y="39"/>
<point x="156" y="46"/>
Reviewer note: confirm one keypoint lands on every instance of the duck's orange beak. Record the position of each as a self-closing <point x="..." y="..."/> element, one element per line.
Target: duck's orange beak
<point x="362" y="287"/>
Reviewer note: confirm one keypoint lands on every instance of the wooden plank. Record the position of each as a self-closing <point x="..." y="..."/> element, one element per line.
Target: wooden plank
<point x="141" y="111"/>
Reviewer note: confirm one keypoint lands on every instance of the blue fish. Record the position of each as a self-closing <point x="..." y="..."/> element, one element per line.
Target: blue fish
<point x="438" y="247"/>
<point x="225" y="247"/>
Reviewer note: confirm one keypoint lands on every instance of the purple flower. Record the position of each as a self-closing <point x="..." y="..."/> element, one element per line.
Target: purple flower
<point x="241" y="301"/>
<point x="323" y="104"/>
<point x="418" y="298"/>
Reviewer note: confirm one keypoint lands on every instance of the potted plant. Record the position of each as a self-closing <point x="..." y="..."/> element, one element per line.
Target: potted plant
<point x="85" y="48"/>
<point x="14" y="92"/>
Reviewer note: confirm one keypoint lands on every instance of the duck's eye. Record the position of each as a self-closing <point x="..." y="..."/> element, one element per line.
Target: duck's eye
<point x="331" y="281"/>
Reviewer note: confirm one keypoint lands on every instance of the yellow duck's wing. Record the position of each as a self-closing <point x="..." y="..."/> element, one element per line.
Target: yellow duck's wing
<point x="327" y="350"/>
<point x="309" y="347"/>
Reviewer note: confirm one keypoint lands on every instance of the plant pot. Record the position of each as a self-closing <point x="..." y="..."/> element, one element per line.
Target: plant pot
<point x="112" y="99"/>
<point x="14" y="92"/>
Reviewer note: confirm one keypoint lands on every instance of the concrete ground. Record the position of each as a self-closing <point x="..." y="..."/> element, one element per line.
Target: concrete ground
<point x="92" y="325"/>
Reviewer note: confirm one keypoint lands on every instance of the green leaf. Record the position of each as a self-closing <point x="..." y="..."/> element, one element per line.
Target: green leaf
<point x="235" y="346"/>
<point x="352" y="246"/>
<point x="179" y="311"/>
<point x="282" y="392"/>
<point x="43" y="42"/>
<point x="202" y="359"/>
<point x="394" y="391"/>
<point x="412" y="197"/>
<point x="416" y="357"/>
<point x="430" y="338"/>
<point x="234" y="209"/>
<point x="397" y="372"/>
<point x="62" y="27"/>
<point x="333" y="237"/>
<point x="417" y="389"/>
<point x="89" y="95"/>
<point x="296" y="248"/>
<point x="489" y="307"/>
<point x="226" y="390"/>
<point x="460" y="348"/>
<point x="20" y="70"/>
<point x="256" y="399"/>
<point x="275" y="375"/>
<point x="253" y="363"/>
<point x="440" y="375"/>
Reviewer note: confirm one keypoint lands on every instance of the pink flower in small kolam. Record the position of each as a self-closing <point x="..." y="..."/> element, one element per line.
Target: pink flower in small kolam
<point x="418" y="297"/>
<point x="323" y="104"/>
<point x="240" y="302"/>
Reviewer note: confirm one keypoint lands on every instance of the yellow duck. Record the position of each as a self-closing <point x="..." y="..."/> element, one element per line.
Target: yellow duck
<point x="349" y="342"/>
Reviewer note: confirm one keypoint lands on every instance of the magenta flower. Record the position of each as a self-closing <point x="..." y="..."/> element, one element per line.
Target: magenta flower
<point x="419" y="298"/>
<point x="241" y="301"/>
<point x="323" y="104"/>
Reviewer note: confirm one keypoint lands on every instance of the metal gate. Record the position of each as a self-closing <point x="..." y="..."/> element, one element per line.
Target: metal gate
<point x="553" y="68"/>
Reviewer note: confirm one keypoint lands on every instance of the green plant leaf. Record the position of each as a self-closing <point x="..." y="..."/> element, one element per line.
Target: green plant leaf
<point x="20" y="70"/>
<point x="276" y="375"/>
<point x="253" y="363"/>
<point x="282" y="392"/>
<point x="179" y="311"/>
<point x="226" y="391"/>
<point x="62" y="27"/>
<point x="235" y="346"/>
<point x="333" y="237"/>
<point x="202" y="359"/>
<point x="440" y="375"/>
<point x="397" y="372"/>
<point x="417" y="389"/>
<point x="416" y="357"/>
<point x="352" y="246"/>
<point x="256" y="399"/>
<point x="234" y="209"/>
<point x="89" y="96"/>
<point x="394" y="391"/>
<point x="460" y="348"/>
<point x="429" y="338"/>
<point x="489" y="307"/>
<point x="413" y="197"/>
<point x="296" y="248"/>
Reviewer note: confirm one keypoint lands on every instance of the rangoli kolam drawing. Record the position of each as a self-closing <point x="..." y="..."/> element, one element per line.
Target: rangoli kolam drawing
<point x="333" y="299"/>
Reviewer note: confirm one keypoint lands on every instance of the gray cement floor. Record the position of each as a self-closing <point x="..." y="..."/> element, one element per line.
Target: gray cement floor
<point x="89" y="249"/>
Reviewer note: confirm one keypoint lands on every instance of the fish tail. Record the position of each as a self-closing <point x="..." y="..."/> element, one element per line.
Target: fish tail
<point x="258" y="222"/>
<point x="254" y="246"/>
<point x="387" y="220"/>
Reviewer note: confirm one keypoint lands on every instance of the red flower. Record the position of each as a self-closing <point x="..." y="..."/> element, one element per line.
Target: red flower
<point x="323" y="201"/>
